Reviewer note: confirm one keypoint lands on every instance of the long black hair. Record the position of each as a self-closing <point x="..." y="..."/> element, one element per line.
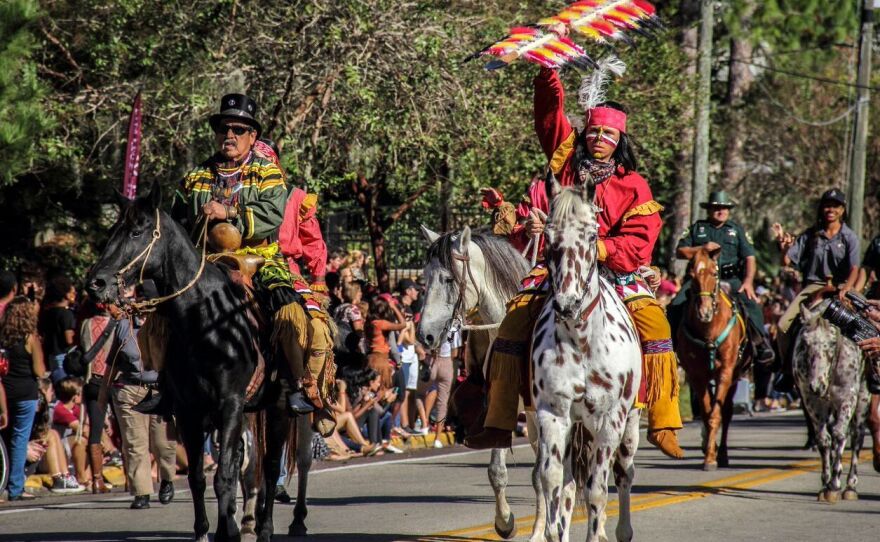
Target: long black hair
<point x="624" y="154"/>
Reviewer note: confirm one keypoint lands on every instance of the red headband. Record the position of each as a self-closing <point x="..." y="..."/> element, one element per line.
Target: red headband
<point x="607" y="116"/>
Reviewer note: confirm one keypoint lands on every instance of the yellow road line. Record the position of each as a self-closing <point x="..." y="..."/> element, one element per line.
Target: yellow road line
<point x="656" y="499"/>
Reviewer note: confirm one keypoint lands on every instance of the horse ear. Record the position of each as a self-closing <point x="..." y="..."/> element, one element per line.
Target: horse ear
<point x="688" y="253"/>
<point x="715" y="253"/>
<point x="464" y="241"/>
<point x="120" y="200"/>
<point x="429" y="235"/>
<point x="553" y="186"/>
<point x="156" y="194"/>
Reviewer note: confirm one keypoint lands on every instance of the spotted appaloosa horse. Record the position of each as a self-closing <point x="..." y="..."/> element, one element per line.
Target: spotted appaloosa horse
<point x="710" y="348"/>
<point x="587" y="365"/>
<point x="470" y="270"/>
<point x="830" y="373"/>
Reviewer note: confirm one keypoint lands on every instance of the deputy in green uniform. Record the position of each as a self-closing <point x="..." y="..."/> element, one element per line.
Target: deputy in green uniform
<point x="736" y="266"/>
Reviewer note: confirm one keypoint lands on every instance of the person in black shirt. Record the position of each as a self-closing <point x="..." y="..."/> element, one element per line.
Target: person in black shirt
<point x="21" y="345"/>
<point x="58" y="324"/>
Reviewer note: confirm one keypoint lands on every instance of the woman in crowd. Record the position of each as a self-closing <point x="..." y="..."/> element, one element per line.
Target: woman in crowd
<point x="92" y="331"/>
<point x="18" y="337"/>
<point x="349" y="319"/>
<point x="384" y="317"/>
<point x="442" y="374"/>
<point x="57" y="323"/>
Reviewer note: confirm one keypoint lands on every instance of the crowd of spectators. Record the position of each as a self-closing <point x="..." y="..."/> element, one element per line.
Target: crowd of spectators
<point x="73" y="428"/>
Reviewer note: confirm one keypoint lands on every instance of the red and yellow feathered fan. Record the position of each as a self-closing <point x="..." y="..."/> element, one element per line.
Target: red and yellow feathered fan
<point x="600" y="21"/>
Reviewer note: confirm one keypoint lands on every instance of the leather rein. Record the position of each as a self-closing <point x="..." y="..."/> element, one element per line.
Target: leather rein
<point x="151" y="304"/>
<point x="712" y="345"/>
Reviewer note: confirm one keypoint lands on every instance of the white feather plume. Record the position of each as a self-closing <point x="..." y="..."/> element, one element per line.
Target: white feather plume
<point x="592" y="91"/>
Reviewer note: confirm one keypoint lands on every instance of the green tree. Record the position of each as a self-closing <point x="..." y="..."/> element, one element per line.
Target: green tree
<point x="21" y="91"/>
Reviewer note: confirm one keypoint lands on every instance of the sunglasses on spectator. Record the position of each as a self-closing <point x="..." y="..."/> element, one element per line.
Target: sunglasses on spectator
<point x="237" y="130"/>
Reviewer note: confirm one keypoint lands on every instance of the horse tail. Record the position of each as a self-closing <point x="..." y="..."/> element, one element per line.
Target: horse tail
<point x="292" y="440"/>
<point x="580" y="459"/>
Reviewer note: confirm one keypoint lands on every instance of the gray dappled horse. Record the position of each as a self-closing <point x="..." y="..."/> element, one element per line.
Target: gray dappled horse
<point x="470" y="270"/>
<point x="830" y="373"/>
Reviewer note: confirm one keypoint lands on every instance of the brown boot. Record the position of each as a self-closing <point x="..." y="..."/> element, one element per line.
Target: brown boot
<point x="667" y="441"/>
<point x="96" y="458"/>
<point x="489" y="437"/>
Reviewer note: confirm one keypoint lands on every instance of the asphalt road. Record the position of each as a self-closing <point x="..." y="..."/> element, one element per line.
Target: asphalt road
<point x="768" y="493"/>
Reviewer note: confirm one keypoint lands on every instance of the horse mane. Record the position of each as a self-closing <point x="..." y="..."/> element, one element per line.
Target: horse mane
<point x="567" y="203"/>
<point x="506" y="266"/>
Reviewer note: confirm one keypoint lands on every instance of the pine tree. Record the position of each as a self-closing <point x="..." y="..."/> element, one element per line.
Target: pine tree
<point x="23" y="114"/>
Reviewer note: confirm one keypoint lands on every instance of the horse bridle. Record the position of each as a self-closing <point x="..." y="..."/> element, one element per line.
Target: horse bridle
<point x="150" y="304"/>
<point x="714" y="293"/>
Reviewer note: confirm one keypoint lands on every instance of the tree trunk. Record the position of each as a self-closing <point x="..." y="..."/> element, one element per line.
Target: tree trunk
<point x="367" y="195"/>
<point x="739" y="82"/>
<point x="680" y="218"/>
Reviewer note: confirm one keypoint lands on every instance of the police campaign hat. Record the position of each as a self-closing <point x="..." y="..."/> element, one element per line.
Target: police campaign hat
<point x="237" y="107"/>
<point x="718" y="198"/>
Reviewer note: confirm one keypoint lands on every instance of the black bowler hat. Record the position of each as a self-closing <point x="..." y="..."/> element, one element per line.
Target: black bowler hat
<point x="834" y="195"/>
<point x="237" y="107"/>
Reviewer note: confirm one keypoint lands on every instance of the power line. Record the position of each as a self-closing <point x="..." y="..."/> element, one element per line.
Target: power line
<point x="818" y="123"/>
<point x="806" y="76"/>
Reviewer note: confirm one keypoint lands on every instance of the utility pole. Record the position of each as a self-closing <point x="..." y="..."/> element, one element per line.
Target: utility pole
<point x="703" y="108"/>
<point x="856" y="205"/>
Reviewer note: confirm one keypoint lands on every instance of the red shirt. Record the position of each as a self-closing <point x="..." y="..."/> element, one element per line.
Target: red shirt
<point x="300" y="236"/>
<point x="65" y="416"/>
<point x="629" y="221"/>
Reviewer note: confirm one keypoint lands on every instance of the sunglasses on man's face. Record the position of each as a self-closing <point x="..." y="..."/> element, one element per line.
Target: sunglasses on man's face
<point x="237" y="130"/>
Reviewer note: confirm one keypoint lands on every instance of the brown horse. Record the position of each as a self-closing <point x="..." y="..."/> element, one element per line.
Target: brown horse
<point x="711" y="343"/>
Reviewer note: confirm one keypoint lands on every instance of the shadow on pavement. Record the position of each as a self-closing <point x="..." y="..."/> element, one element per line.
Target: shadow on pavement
<point x="120" y="536"/>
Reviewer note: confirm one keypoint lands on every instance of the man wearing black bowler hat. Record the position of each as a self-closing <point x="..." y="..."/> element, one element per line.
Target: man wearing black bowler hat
<point x="242" y="194"/>
<point x="235" y="185"/>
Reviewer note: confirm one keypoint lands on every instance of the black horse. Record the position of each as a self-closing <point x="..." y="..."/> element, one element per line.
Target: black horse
<point x="213" y="348"/>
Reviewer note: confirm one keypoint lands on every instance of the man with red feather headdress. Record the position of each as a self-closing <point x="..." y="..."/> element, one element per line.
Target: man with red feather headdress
<point x="629" y="225"/>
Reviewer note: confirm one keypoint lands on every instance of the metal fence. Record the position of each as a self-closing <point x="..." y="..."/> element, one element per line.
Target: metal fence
<point x="405" y="248"/>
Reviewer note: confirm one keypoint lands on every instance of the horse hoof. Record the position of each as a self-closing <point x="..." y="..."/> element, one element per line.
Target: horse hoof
<point x="723" y="462"/>
<point x="297" y="529"/>
<point x="832" y="496"/>
<point x="821" y="496"/>
<point x="248" y="530"/>
<point x="710" y="466"/>
<point x="203" y="538"/>
<point x="507" y="530"/>
<point x="850" y="494"/>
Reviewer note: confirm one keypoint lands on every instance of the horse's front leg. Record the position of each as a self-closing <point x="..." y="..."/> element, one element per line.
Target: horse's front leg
<point x="194" y="442"/>
<point x="230" y="428"/>
<point x="303" y="465"/>
<point x="624" y="474"/>
<point x="540" y="505"/>
<point x="276" y="426"/>
<point x="726" y="417"/>
<point x="504" y="520"/>
<point x="823" y="442"/>
<point x="724" y="378"/>
<point x="856" y="441"/>
<point x="554" y="426"/>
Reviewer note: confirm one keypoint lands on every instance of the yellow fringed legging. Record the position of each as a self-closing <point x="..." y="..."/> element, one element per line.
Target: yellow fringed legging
<point x="298" y="333"/>
<point x="510" y="361"/>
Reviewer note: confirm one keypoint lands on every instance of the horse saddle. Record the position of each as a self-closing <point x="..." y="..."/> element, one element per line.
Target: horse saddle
<point x="246" y="264"/>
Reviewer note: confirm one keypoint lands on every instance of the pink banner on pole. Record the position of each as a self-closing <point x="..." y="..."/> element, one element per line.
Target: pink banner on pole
<point x="133" y="151"/>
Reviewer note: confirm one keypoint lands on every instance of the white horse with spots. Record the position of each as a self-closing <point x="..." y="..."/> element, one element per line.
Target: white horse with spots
<point x="467" y="271"/>
<point x="830" y="373"/>
<point x="587" y="365"/>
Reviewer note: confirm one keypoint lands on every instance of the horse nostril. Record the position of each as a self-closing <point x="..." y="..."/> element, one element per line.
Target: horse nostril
<point x="97" y="285"/>
<point x="429" y="338"/>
